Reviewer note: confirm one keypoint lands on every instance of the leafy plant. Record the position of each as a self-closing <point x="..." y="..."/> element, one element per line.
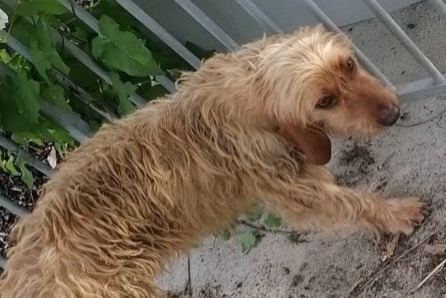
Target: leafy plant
<point x="252" y="237"/>
<point x="248" y="240"/>
<point x="273" y="221"/>
<point x="30" y="80"/>
<point x="121" y="50"/>
<point x="10" y="165"/>
<point x="254" y="214"/>
<point x="225" y="234"/>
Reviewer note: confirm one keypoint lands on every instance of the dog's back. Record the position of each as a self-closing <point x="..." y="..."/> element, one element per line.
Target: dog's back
<point x="121" y="206"/>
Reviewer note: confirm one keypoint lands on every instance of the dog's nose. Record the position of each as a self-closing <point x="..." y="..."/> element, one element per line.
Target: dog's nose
<point x="388" y="115"/>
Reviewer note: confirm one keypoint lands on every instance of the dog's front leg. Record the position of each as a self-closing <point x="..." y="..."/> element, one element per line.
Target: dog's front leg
<point x="321" y="204"/>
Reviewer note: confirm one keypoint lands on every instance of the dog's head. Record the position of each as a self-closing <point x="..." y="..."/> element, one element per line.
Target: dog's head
<point x="316" y="87"/>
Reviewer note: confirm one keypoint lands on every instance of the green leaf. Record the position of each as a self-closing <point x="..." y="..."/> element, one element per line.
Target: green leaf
<point x="40" y="61"/>
<point x="9" y="166"/>
<point x="248" y="241"/>
<point x="112" y="9"/>
<point x="34" y="7"/>
<point x="225" y="234"/>
<point x="254" y="214"/>
<point x="121" y="50"/>
<point x="14" y="61"/>
<point x="80" y="34"/>
<point x="26" y="175"/>
<point x="55" y="94"/>
<point x="25" y="93"/>
<point x="273" y="221"/>
<point x="43" y="51"/>
<point x="4" y="56"/>
<point x="123" y="91"/>
<point x="20" y="139"/>
<point x="24" y="31"/>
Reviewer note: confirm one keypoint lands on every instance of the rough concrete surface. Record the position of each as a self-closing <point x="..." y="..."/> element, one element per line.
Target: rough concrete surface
<point x="408" y="160"/>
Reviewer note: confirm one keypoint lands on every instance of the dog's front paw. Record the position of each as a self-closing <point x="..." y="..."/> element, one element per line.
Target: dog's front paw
<point x="407" y="214"/>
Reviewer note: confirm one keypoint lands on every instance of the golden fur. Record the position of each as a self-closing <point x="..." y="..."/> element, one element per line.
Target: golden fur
<point x="246" y="127"/>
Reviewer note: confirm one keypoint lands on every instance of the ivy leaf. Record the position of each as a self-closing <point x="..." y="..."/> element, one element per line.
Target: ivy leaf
<point x="25" y="94"/>
<point x="9" y="166"/>
<point x="123" y="91"/>
<point x="121" y="50"/>
<point x="225" y="234"/>
<point x="114" y="11"/>
<point x="34" y="7"/>
<point x="43" y="51"/>
<point x="47" y="45"/>
<point x="24" y="138"/>
<point x="24" y="31"/>
<point x="254" y="214"/>
<point x="39" y="60"/>
<point x="55" y="94"/>
<point x="14" y="61"/>
<point x="26" y="175"/>
<point x="80" y="34"/>
<point x="273" y="221"/>
<point x="4" y="56"/>
<point x="248" y="241"/>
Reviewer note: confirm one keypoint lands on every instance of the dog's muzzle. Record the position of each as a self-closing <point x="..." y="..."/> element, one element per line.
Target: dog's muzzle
<point x="388" y="115"/>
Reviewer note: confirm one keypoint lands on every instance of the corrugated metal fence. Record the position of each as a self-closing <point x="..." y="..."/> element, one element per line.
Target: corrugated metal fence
<point x="79" y="130"/>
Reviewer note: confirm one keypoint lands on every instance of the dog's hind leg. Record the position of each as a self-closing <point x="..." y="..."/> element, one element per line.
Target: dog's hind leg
<point x="318" y="203"/>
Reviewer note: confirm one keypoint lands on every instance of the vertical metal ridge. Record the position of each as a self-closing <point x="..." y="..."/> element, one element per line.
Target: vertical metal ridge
<point x="208" y="24"/>
<point x="257" y="14"/>
<point x="402" y="37"/>
<point x="325" y="19"/>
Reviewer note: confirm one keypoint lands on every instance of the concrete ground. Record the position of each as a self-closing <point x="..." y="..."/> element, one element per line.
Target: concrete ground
<point x="409" y="160"/>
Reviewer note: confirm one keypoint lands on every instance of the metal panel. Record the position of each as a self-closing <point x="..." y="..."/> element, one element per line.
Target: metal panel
<point x="91" y="22"/>
<point x="402" y="37"/>
<point x="12" y="207"/>
<point x="216" y="31"/>
<point x="257" y="14"/>
<point x="76" y="127"/>
<point x="159" y="31"/>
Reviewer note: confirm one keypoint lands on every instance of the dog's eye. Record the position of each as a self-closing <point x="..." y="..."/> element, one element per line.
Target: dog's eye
<point x="326" y="102"/>
<point x="350" y="64"/>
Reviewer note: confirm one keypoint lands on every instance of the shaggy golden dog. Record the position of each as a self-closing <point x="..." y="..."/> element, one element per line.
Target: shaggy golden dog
<point x="248" y="126"/>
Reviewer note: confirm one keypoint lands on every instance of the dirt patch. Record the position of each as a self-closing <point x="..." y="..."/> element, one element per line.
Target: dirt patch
<point x="359" y="161"/>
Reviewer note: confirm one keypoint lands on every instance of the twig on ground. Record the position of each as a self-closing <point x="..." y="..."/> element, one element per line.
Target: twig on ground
<point x="361" y="286"/>
<point x="432" y="273"/>
<point x="189" y="290"/>
<point x="262" y="228"/>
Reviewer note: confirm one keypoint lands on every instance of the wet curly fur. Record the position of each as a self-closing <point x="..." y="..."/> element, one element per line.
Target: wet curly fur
<point x="248" y="126"/>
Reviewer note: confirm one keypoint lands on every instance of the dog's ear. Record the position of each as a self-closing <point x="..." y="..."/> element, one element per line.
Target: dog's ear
<point x="311" y="141"/>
